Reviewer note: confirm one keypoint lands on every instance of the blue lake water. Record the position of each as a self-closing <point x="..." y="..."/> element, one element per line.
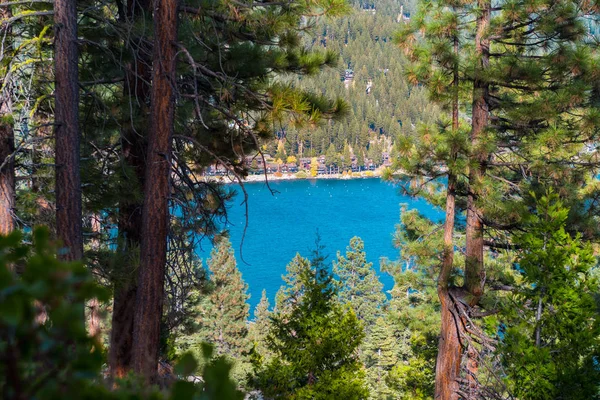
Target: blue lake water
<point x="285" y="223"/>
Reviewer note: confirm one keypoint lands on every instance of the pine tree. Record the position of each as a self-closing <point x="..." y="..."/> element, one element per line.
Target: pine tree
<point x="314" y="342"/>
<point x="7" y="140"/>
<point x="232" y="102"/>
<point x="293" y="290"/>
<point x="358" y="284"/>
<point x="68" y="178"/>
<point x="136" y="92"/>
<point x="552" y="334"/>
<point x="155" y="214"/>
<point x="346" y="157"/>
<point x="260" y="326"/>
<point x="331" y="157"/>
<point x="414" y="305"/>
<point x="513" y="64"/>
<point x="218" y="316"/>
<point x="380" y="353"/>
<point x="224" y="312"/>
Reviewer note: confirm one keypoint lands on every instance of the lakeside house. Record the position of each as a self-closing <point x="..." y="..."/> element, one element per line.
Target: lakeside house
<point x="259" y="164"/>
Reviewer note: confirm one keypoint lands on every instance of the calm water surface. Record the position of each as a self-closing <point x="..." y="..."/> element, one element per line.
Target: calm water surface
<point x="285" y="223"/>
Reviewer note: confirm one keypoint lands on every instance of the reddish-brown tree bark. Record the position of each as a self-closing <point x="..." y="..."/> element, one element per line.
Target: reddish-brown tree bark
<point x="155" y="214"/>
<point x="450" y="347"/>
<point x="7" y="172"/>
<point x="93" y="318"/>
<point x="137" y="90"/>
<point x="447" y="367"/>
<point x="474" y="269"/>
<point x="474" y="266"/>
<point x="66" y="130"/>
<point x="7" y="147"/>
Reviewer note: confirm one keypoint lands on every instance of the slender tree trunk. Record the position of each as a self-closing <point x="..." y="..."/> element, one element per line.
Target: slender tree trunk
<point x="538" y="318"/>
<point x="449" y="347"/>
<point x="155" y="215"/>
<point x="93" y="319"/>
<point x="7" y="172"/>
<point x="450" y="350"/>
<point x="7" y="144"/>
<point x="447" y="368"/>
<point x="125" y="289"/>
<point x="137" y="90"/>
<point x="474" y="269"/>
<point x="66" y="131"/>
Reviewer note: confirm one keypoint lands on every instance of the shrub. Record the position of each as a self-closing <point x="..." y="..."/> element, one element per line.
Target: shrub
<point x="55" y="358"/>
<point x="301" y="175"/>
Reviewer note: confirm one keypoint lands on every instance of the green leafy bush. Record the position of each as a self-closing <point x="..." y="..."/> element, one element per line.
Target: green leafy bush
<point x="45" y="348"/>
<point x="45" y="351"/>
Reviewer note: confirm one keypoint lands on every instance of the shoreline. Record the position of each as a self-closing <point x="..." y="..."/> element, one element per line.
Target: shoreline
<point x="284" y="176"/>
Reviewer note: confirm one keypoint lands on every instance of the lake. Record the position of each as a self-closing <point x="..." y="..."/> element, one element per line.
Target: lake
<point x="285" y="223"/>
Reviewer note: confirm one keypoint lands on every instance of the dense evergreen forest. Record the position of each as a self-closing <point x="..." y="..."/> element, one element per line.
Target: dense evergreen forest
<point x="371" y="78"/>
<point x="113" y="112"/>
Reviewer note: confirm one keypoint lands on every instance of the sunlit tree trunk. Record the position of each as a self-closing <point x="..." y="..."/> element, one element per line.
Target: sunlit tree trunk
<point x="7" y="174"/>
<point x="474" y="271"/>
<point x="155" y="214"/>
<point x="137" y="90"/>
<point x="66" y="131"/>
<point x="7" y="142"/>
<point x="474" y="267"/>
<point x="449" y="346"/>
<point x="93" y="319"/>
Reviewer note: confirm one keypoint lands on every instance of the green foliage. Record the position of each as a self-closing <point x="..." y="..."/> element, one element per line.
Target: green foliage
<point x="358" y="284"/>
<point x="414" y="306"/>
<point x="259" y="329"/>
<point x="314" y="340"/>
<point x="45" y="350"/>
<point x="301" y="175"/>
<point x="224" y="311"/>
<point x="552" y="336"/>
<point x="380" y="351"/>
<point x="220" y="317"/>
<point x="529" y="91"/>
<point x="215" y="382"/>
<point x="45" y="347"/>
<point x="389" y="109"/>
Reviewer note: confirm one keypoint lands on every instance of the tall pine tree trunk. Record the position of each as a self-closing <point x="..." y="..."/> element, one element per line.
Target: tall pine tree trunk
<point x="449" y="347"/>
<point x="66" y="131"/>
<point x="125" y="289"/>
<point x="447" y="368"/>
<point x="155" y="215"/>
<point x="137" y="90"/>
<point x="7" y="143"/>
<point x="7" y="172"/>
<point x="93" y="318"/>
<point x="474" y="269"/>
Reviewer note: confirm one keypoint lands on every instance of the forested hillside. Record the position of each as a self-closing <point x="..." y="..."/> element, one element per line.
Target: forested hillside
<point x="371" y="78"/>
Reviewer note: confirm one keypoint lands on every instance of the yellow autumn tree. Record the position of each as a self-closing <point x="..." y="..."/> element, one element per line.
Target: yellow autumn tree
<point x="314" y="166"/>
